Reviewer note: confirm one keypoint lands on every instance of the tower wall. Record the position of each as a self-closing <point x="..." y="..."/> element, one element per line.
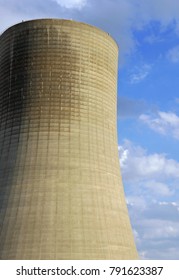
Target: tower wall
<point x="61" y="193"/>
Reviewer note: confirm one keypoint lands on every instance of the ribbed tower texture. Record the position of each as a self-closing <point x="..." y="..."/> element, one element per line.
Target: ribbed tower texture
<point x="61" y="193"/>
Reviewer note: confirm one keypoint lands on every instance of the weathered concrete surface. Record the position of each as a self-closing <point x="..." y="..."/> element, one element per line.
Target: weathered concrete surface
<point x="61" y="193"/>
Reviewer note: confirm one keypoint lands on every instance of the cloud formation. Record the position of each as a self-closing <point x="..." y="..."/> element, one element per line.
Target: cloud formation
<point x="140" y="73"/>
<point x="150" y="182"/>
<point x="166" y="123"/>
<point x="173" y="54"/>
<point x="71" y="4"/>
<point x="156" y="229"/>
<point x="137" y="164"/>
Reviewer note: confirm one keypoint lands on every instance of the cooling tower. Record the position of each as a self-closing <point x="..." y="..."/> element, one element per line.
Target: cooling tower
<point x="61" y="192"/>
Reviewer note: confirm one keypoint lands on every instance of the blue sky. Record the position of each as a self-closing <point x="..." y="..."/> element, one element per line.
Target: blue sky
<point x="147" y="32"/>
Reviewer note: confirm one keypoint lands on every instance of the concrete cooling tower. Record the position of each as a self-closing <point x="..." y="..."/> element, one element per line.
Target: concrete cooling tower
<point x="61" y="192"/>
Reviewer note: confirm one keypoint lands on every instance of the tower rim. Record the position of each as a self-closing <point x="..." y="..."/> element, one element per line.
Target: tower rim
<point x="14" y="26"/>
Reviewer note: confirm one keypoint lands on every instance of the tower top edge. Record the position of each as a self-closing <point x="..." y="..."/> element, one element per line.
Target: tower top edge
<point x="68" y="22"/>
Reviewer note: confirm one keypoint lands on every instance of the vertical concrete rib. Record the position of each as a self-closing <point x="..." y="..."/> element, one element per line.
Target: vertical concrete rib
<point x="61" y="193"/>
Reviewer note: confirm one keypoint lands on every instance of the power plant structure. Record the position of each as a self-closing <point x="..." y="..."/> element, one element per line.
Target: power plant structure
<point x="61" y="192"/>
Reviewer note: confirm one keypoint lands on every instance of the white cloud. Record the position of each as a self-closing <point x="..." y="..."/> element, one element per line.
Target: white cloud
<point x="137" y="165"/>
<point x="159" y="188"/>
<point x="166" y="123"/>
<point x="160" y="229"/>
<point x="136" y="202"/>
<point x="173" y="54"/>
<point x="156" y="229"/>
<point x="72" y="4"/>
<point x="150" y="182"/>
<point x="123" y="156"/>
<point x="140" y="74"/>
<point x="152" y="39"/>
<point x="161" y="10"/>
